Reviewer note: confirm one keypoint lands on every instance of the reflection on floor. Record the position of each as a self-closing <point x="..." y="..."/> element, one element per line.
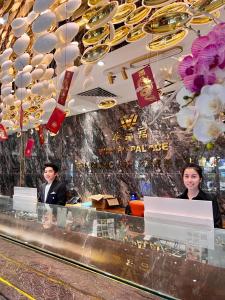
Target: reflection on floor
<point x="25" y="274"/>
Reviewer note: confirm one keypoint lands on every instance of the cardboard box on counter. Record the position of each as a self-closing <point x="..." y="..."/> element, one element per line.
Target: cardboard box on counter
<point x="103" y="201"/>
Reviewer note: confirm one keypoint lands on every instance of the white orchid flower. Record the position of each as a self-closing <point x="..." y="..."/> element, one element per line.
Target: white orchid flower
<point x="211" y="101"/>
<point x="182" y="94"/>
<point x="207" y="129"/>
<point x="187" y="117"/>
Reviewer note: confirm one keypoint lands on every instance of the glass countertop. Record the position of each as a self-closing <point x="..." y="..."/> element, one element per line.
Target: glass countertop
<point x="171" y="259"/>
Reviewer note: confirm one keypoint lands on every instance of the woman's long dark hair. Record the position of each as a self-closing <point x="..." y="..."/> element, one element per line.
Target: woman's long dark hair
<point x="196" y="167"/>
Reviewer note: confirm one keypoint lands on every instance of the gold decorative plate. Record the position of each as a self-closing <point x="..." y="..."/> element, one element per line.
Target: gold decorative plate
<point x="107" y="103"/>
<point x="95" y="36"/>
<point x="136" y="33"/>
<point x="90" y="13"/>
<point x="94" y="54"/>
<point x="123" y="11"/>
<point x="103" y="15"/>
<point x="167" y="22"/>
<point x="96" y="2"/>
<point x="201" y="20"/>
<point x="155" y="3"/>
<point x="207" y="5"/>
<point x="138" y="15"/>
<point x="167" y="41"/>
<point x="174" y="7"/>
<point x="120" y="35"/>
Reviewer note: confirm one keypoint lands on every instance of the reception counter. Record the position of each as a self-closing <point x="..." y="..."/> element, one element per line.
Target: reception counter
<point x="99" y="255"/>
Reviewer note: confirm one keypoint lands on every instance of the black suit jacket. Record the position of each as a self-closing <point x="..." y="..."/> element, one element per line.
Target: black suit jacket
<point x="208" y="197"/>
<point x="56" y="194"/>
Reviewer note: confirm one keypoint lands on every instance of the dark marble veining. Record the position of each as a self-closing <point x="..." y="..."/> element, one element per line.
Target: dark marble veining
<point x="41" y="277"/>
<point x="99" y="154"/>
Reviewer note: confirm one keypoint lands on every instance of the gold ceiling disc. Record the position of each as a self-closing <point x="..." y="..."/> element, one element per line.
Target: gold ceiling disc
<point x="38" y="114"/>
<point x="123" y="11"/>
<point x="103" y="15"/>
<point x="131" y="1"/>
<point x="94" y="54"/>
<point x="138" y="15"/>
<point x="167" y="41"/>
<point x="155" y="3"/>
<point x="201" y="20"/>
<point x="136" y="33"/>
<point x="206" y="5"/>
<point x="90" y="13"/>
<point x="120" y="35"/>
<point x="33" y="108"/>
<point x="174" y="7"/>
<point x="96" y="2"/>
<point x="95" y="36"/>
<point x="107" y="103"/>
<point x="167" y="22"/>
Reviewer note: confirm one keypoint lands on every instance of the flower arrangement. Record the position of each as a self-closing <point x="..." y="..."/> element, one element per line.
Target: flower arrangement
<point x="202" y="99"/>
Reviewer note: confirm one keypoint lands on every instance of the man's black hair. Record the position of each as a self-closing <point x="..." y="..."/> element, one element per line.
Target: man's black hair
<point x="53" y="166"/>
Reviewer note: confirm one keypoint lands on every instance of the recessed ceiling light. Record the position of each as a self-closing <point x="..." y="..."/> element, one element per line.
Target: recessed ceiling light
<point x="84" y="109"/>
<point x="101" y="63"/>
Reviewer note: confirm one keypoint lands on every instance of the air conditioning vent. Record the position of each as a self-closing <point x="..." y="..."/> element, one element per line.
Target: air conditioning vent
<point x="97" y="92"/>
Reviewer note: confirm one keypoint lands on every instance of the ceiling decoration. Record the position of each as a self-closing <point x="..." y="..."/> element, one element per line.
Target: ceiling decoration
<point x="41" y="39"/>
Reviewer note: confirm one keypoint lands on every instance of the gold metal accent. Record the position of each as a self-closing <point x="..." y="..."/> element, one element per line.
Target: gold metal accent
<point x="167" y="22"/>
<point x="124" y="73"/>
<point x="201" y="20"/>
<point x="207" y="5"/>
<point x="103" y="15"/>
<point x="90" y="13"/>
<point x="94" y="54"/>
<point x="155" y="3"/>
<point x="107" y="103"/>
<point x="33" y="108"/>
<point x="174" y="7"/>
<point x="95" y="36"/>
<point x="167" y="41"/>
<point x="123" y="11"/>
<point x="120" y="35"/>
<point x="138" y="15"/>
<point x="111" y="77"/>
<point x="96" y="2"/>
<point x="136" y="33"/>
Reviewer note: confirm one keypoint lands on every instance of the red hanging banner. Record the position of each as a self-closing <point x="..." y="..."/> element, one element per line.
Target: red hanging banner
<point x="145" y="87"/>
<point x="3" y="133"/>
<point x="29" y="147"/>
<point x="65" y="87"/>
<point x="55" y="121"/>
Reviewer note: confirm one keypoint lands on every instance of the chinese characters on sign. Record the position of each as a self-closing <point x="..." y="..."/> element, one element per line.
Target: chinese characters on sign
<point x="129" y="135"/>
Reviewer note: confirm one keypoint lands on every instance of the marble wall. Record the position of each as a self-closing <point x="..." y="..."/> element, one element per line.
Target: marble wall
<point x="117" y="151"/>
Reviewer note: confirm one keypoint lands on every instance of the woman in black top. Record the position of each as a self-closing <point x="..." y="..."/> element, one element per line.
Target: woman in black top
<point x="192" y="178"/>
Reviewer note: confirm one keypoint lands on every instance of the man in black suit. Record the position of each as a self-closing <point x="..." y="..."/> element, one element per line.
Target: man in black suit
<point x="53" y="191"/>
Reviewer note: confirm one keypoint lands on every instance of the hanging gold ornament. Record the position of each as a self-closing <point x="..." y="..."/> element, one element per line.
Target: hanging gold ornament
<point x="207" y="5"/>
<point x="136" y="33"/>
<point x="107" y="103"/>
<point x="174" y="7"/>
<point x="95" y="36"/>
<point x="103" y="15"/>
<point x="155" y="3"/>
<point x="201" y="20"/>
<point x="138" y="15"/>
<point x="123" y="11"/>
<point x="167" y="22"/>
<point x="120" y="35"/>
<point x="97" y="2"/>
<point x="167" y="41"/>
<point x="94" y="54"/>
<point x="90" y="13"/>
